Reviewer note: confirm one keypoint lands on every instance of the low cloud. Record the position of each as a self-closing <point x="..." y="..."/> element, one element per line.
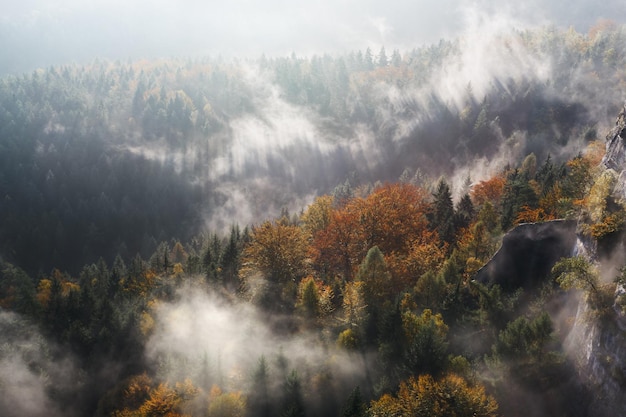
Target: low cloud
<point x="34" y="379"/>
<point x="232" y="336"/>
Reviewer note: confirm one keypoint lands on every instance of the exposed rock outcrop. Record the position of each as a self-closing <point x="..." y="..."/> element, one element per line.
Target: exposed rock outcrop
<point x="599" y="347"/>
<point x="528" y="253"/>
<point x="615" y="156"/>
<point x="525" y="258"/>
<point x="598" y="350"/>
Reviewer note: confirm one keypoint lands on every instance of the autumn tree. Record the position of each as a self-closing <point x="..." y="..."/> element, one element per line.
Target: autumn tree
<point x="578" y="179"/>
<point x="277" y="251"/>
<point x="355" y="314"/>
<point x="226" y="404"/>
<point x="426" y="345"/>
<point x="339" y="248"/>
<point x="490" y="190"/>
<point x="477" y="242"/>
<point x="160" y="401"/>
<point x="392" y="218"/>
<point x="317" y="215"/>
<point x="605" y="215"/>
<point x="427" y="397"/>
<point x="424" y="254"/>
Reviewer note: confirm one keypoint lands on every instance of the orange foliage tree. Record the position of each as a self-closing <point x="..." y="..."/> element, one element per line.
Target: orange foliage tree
<point x="393" y="217"/>
<point x="278" y="251"/>
<point x="490" y="190"/>
<point x="426" y="397"/>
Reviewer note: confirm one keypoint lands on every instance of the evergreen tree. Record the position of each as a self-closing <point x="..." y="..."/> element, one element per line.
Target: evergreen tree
<point x="518" y="193"/>
<point x="382" y="58"/>
<point x="211" y="258"/>
<point x="293" y="402"/>
<point x="443" y="213"/>
<point x="231" y="259"/>
<point x="354" y="406"/>
<point x="258" y="398"/>
<point x="464" y="213"/>
<point x="377" y="290"/>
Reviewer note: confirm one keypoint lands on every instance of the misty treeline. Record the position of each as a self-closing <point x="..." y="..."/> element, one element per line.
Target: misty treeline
<point x="363" y="304"/>
<point x="112" y="158"/>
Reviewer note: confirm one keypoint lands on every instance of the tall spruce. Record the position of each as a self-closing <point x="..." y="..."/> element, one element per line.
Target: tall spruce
<point x="443" y="213"/>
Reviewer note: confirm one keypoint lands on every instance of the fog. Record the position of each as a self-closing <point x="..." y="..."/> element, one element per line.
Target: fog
<point x="212" y="340"/>
<point x="39" y="33"/>
<point x="34" y="378"/>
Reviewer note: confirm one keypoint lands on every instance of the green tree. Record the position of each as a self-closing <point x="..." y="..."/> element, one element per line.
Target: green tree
<point x="578" y="273"/>
<point x="17" y="290"/>
<point x="308" y="298"/>
<point x="293" y="401"/>
<point x="258" y="397"/>
<point x="231" y="259"/>
<point x="354" y="406"/>
<point x="443" y="213"/>
<point x="376" y="278"/>
<point x="426" y="345"/>
<point x="518" y="193"/>
<point x="465" y="212"/>
<point x="211" y="259"/>
<point x="524" y="339"/>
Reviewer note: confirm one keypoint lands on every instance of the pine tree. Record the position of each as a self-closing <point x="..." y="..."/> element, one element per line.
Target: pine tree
<point x="258" y="398"/>
<point x="293" y="402"/>
<point x="464" y="213"/>
<point x="354" y="406"/>
<point x="443" y="213"/>
<point x="231" y="259"/>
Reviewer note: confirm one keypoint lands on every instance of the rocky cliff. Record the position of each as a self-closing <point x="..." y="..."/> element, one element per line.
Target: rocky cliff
<point x="615" y="157"/>
<point x="598" y="347"/>
<point x="596" y="343"/>
<point x="528" y="253"/>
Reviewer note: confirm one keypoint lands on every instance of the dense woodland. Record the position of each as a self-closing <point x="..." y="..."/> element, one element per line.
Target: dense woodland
<point x="120" y="265"/>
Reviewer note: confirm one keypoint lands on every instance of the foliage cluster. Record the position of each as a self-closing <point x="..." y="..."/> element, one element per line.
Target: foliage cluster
<point x="111" y="158"/>
<point x="381" y="273"/>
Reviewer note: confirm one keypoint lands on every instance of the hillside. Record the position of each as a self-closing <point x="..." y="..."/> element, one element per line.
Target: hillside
<point x="312" y="236"/>
<point x="113" y="158"/>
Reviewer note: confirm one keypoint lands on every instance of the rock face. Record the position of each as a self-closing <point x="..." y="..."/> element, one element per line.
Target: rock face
<point x="599" y="348"/>
<point x="598" y="351"/>
<point x="528" y="253"/>
<point x="615" y="157"/>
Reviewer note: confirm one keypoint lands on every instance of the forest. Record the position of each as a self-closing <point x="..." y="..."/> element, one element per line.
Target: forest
<point x="301" y="236"/>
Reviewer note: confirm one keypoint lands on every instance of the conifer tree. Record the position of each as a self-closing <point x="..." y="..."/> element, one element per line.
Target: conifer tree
<point x="354" y="406"/>
<point x="443" y="213"/>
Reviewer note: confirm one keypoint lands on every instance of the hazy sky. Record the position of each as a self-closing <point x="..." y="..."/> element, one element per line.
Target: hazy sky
<point x="38" y="33"/>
